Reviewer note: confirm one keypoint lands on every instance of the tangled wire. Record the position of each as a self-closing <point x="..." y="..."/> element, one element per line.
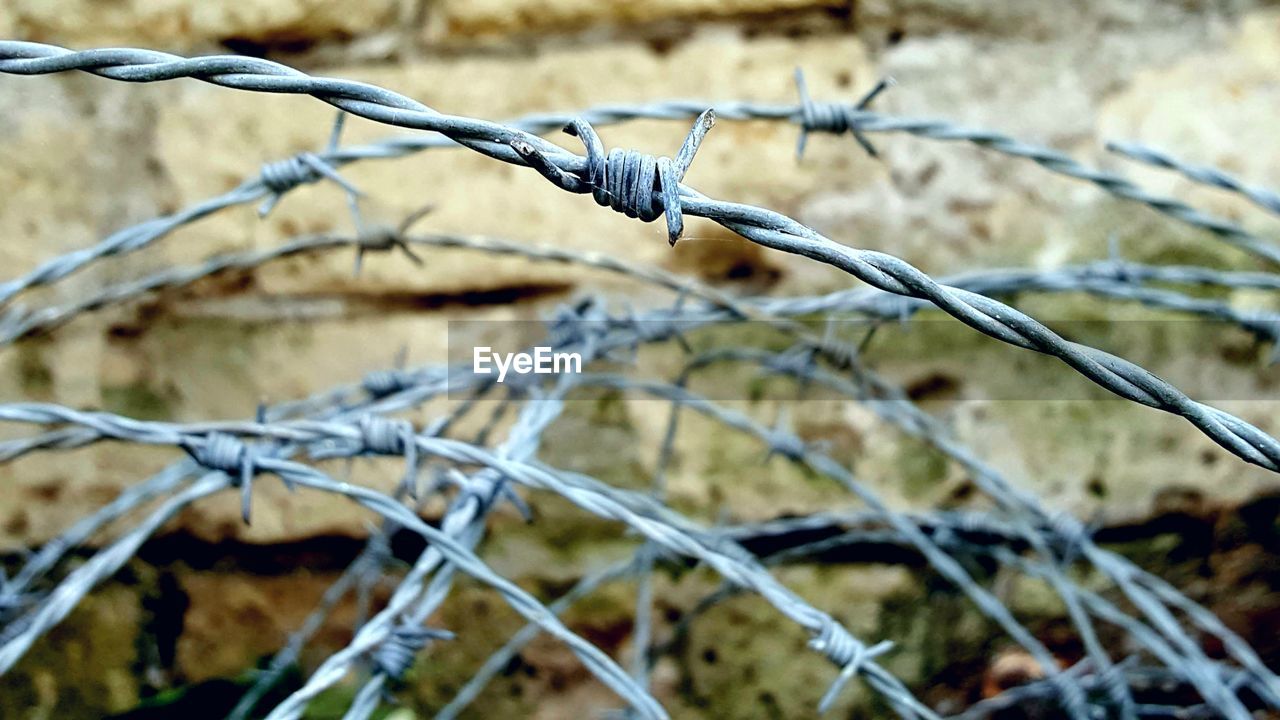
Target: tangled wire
<point x="1161" y="627"/>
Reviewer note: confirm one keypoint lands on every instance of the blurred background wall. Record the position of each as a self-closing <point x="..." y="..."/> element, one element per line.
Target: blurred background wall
<point x="81" y="157"/>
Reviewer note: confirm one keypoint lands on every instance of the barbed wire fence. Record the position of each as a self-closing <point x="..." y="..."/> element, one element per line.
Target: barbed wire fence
<point x="1162" y="628"/>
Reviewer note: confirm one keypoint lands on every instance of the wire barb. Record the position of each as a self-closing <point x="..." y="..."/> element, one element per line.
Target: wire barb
<point x="633" y="183"/>
<point x="231" y="455"/>
<point x="835" y="118"/>
<point x="396" y="654"/>
<point x="387" y="436"/>
<point x="847" y="653"/>
<point x="284" y="175"/>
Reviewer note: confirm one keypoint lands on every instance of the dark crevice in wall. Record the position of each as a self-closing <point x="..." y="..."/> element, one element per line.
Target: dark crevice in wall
<point x="1197" y="534"/>
<point x="229" y="302"/>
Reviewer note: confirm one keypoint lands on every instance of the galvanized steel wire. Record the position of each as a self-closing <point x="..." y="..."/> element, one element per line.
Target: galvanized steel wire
<point x="356" y="420"/>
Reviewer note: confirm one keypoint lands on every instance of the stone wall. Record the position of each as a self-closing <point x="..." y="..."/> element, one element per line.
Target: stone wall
<point x="81" y="157"/>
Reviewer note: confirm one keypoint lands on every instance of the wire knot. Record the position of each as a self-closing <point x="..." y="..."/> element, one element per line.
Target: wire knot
<point x="383" y="240"/>
<point x="381" y="383"/>
<point x="386" y="436"/>
<point x="584" y="322"/>
<point x="1114" y="684"/>
<point x="1070" y="533"/>
<point x="835" y="118"/>
<point x="282" y="176"/>
<point x="843" y="649"/>
<point x="395" y="655"/>
<point x="633" y="183"/>
<point x="231" y="455"/>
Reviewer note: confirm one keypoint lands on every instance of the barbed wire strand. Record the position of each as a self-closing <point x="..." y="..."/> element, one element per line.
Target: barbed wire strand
<point x="801" y="369"/>
<point x="788" y="445"/>
<point x="895" y="407"/>
<point x="1109" y="279"/>
<point x="635" y="510"/>
<point x="1195" y="661"/>
<point x="466" y="521"/>
<point x="588" y="174"/>
<point x="624" y="198"/>
<point x="1263" y="197"/>
<point x="277" y="178"/>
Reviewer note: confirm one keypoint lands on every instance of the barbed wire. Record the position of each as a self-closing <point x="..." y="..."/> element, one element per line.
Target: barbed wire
<point x="1264" y="198"/>
<point x="277" y="178"/>
<point x="213" y="446"/>
<point x="356" y="420"/>
<point x="206" y="428"/>
<point x="1115" y="279"/>
<point x="589" y="174"/>
<point x="790" y="446"/>
<point x="1146" y="591"/>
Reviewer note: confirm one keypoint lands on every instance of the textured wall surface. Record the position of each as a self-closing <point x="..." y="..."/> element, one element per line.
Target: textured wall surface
<point x="81" y="157"/>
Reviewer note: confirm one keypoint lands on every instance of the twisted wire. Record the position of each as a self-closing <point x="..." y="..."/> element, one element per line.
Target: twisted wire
<point x="370" y="561"/>
<point x="277" y="177"/>
<point x="396" y="654"/>
<point x="1063" y="164"/>
<point x="281" y="176"/>
<point x="1264" y="198"/>
<point x="465" y="520"/>
<point x="218" y="451"/>
<point x="1115" y="279"/>
<point x="633" y="183"/>
<point x="520" y="600"/>
<point x="502" y="657"/>
<point x="945" y="565"/>
<point x="224" y="459"/>
<point x="1113" y="682"/>
<point x="762" y="226"/>
<point x="53" y="551"/>
<point x="637" y="511"/>
<point x="895" y="407"/>
<point x="834" y="118"/>
<point x="54" y="607"/>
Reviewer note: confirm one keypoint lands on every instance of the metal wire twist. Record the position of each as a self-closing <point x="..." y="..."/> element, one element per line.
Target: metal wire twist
<point x="762" y="226"/>
<point x="396" y="654"/>
<point x="1264" y="198"/>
